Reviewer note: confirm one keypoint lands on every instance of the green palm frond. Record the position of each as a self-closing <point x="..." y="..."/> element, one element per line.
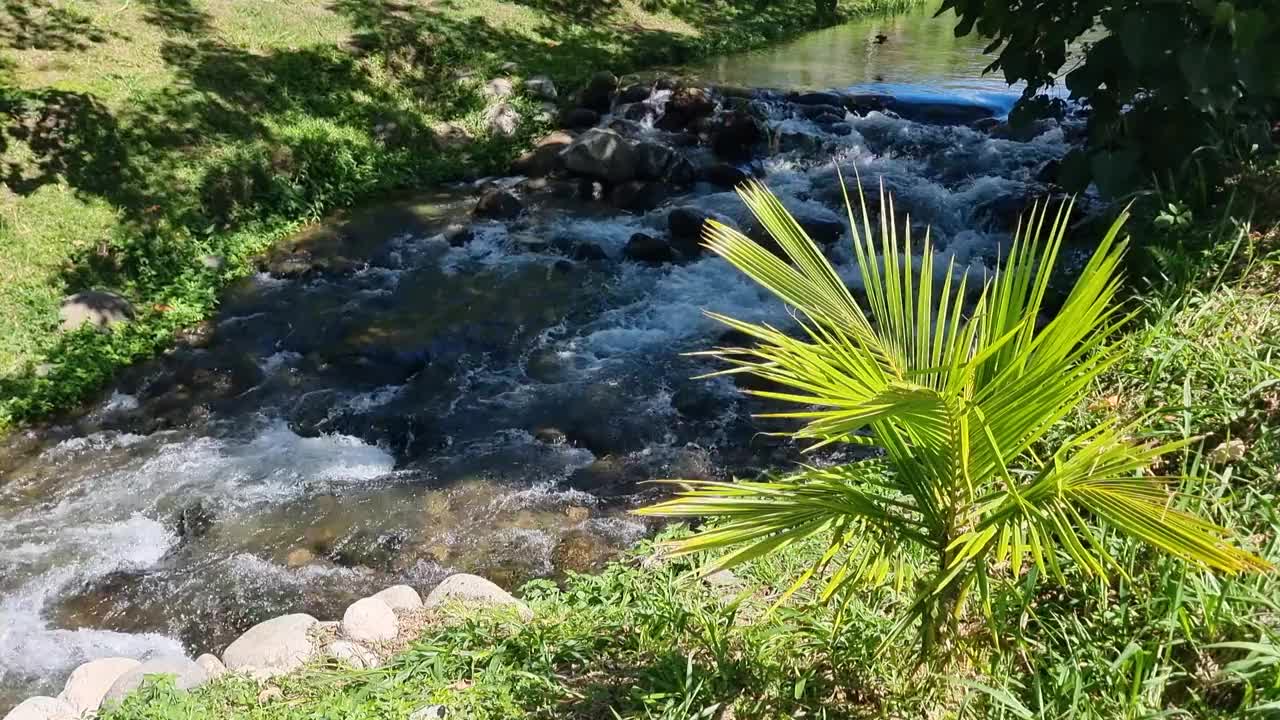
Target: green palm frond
<point x="956" y="388"/>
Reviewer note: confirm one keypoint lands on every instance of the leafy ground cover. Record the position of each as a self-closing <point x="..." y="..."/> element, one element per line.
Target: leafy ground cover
<point x="144" y="139"/>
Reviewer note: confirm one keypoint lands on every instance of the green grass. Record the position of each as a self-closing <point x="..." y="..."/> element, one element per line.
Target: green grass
<point x="142" y="136"/>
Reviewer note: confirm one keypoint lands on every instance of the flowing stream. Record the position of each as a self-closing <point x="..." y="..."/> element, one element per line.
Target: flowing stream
<point x="404" y="407"/>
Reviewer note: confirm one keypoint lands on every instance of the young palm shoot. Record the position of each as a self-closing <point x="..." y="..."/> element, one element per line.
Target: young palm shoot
<point x="958" y="396"/>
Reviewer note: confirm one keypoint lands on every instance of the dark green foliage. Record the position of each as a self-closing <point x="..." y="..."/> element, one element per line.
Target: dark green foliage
<point x="1169" y="84"/>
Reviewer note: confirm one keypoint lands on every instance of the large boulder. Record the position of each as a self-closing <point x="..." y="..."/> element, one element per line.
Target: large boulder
<point x="599" y="92"/>
<point x="89" y="683"/>
<point x="581" y="118"/>
<point x="186" y="676"/>
<point x="212" y="665"/>
<point x="735" y="135"/>
<point x="544" y="159"/>
<point x="95" y="308"/>
<point x="473" y="591"/>
<point x="685" y="106"/>
<point x="602" y="154"/>
<point x="273" y="647"/>
<point x="42" y="708"/>
<point x="369" y="620"/>
<point x="498" y="204"/>
<point x="687" y="224"/>
<point x="400" y="597"/>
<point x="819" y="98"/>
<point x="653" y="159"/>
<point x="725" y="175"/>
<point x="648" y="249"/>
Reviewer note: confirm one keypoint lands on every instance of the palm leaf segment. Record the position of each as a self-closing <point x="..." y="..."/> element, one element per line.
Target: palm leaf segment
<point x="957" y="391"/>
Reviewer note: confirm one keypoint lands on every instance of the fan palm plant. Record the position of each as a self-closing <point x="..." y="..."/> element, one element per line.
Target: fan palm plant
<point x="960" y="395"/>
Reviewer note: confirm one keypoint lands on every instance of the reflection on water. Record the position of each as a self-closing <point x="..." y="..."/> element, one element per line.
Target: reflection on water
<point x="914" y="53"/>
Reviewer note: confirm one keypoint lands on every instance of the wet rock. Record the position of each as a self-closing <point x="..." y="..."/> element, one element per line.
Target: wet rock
<point x="653" y="159"/>
<point x="648" y="249"/>
<point x="95" y="308"/>
<point x="842" y="129"/>
<point x="186" y="676"/>
<point x="42" y="708"/>
<point x="864" y="103"/>
<point x="451" y="136"/>
<point x="499" y="205"/>
<point x="299" y="557"/>
<point x="638" y="196"/>
<point x="1048" y="173"/>
<point x="685" y="106"/>
<point x="503" y="120"/>
<point x="581" y="118"/>
<point x="726" y="175"/>
<point x="544" y="159"/>
<point x="89" y="683"/>
<point x="1003" y="211"/>
<point x="602" y="154"/>
<point x="459" y="235"/>
<point x="736" y="135"/>
<point x="352" y="654"/>
<point x="634" y="93"/>
<point x="987" y="125"/>
<point x="799" y="141"/>
<point x="579" y="552"/>
<point x="195" y="520"/>
<point x="681" y="172"/>
<point x="271" y="648"/>
<point x="828" y="119"/>
<point x="939" y="113"/>
<point x="686" y="225"/>
<point x="400" y="597"/>
<point x="369" y="620"/>
<point x="212" y="665"/>
<point x="638" y="112"/>
<point x="474" y="591"/>
<point x="608" y="477"/>
<point x="599" y="92"/>
<point x="541" y="87"/>
<point x="819" y="98"/>
<point x="589" y="252"/>
<point x="809" y="112"/>
<point x="696" y="401"/>
<point x="550" y="436"/>
<point x="366" y="548"/>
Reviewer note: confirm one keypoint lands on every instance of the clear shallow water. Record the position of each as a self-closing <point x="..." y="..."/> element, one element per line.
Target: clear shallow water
<point x="418" y="409"/>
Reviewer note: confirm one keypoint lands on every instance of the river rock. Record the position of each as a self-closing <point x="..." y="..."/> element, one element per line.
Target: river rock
<point x="451" y="135"/>
<point x="638" y="196"/>
<point x="589" y="252"/>
<point x="89" y="683"/>
<point x="648" y="249"/>
<point x="842" y="129"/>
<point x="694" y="400"/>
<point x="819" y="98"/>
<point x="369" y="620"/>
<point x="809" y="112"/>
<point x="498" y="204"/>
<point x="195" y="520"/>
<point x="42" y="708"/>
<point x="95" y="308"/>
<point x="273" y="647"/>
<point x="544" y="159"/>
<point x="685" y="106"/>
<point x="637" y="112"/>
<point x="602" y="154"/>
<point x="472" y="591"/>
<point x="735" y="135"/>
<point x="581" y="118"/>
<point x="637" y="92"/>
<point x="726" y="175"/>
<point x="541" y="87"/>
<point x="354" y="654"/>
<point x="186" y="676"/>
<point x="828" y="119"/>
<point x="212" y="665"/>
<point x="598" y="94"/>
<point x="458" y="235"/>
<point x="653" y="159"/>
<point x="499" y="89"/>
<point x="400" y="597"/>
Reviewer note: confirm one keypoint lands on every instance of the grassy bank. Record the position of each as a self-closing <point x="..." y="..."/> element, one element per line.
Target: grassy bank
<point x="152" y="148"/>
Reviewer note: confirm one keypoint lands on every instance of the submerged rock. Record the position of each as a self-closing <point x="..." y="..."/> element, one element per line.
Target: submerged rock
<point x="499" y="205"/>
<point x="648" y="249"/>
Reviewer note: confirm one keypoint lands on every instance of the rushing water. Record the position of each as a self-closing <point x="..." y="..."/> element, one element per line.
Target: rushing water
<point x="416" y="408"/>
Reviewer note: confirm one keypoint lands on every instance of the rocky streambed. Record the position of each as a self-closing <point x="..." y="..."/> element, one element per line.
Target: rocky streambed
<point x="473" y="380"/>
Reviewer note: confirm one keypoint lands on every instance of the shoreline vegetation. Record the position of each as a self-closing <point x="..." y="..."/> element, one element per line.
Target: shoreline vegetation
<point x="155" y="150"/>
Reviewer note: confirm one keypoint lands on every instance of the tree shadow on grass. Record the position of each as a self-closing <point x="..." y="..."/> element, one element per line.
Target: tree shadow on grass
<point x="42" y="25"/>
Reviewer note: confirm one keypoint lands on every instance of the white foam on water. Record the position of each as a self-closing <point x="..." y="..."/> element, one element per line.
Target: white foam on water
<point x="277" y="360"/>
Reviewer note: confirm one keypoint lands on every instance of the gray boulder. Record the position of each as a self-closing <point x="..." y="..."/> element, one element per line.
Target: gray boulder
<point x="541" y="87"/>
<point x="473" y="591"/>
<point x="186" y="676"/>
<point x="95" y="308"/>
<point x="354" y="654"/>
<point x="602" y="154"/>
<point x="273" y="647"/>
<point x="89" y="683"/>
<point x="42" y="708"/>
<point x="544" y="159"/>
<point x="212" y="665"/>
<point x="400" y="597"/>
<point x="369" y="620"/>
